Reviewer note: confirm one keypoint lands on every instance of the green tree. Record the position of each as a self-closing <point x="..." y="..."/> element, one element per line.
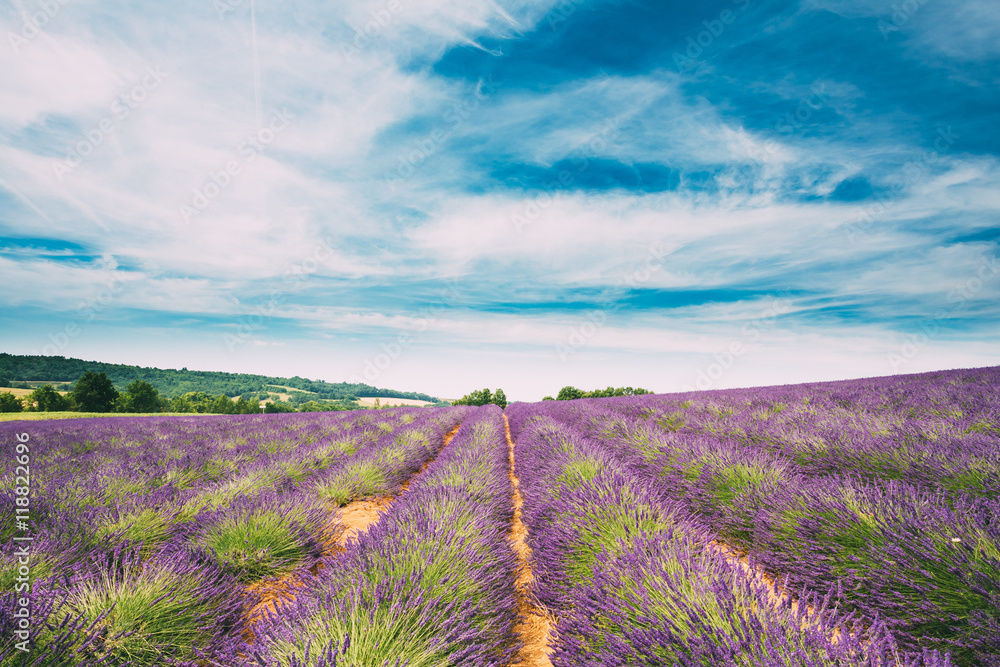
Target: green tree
<point x="278" y="406"/>
<point x="569" y="393"/>
<point x="47" y="399"/>
<point x="10" y="403"/>
<point x="572" y="393"/>
<point x="500" y="399"/>
<point x="94" y="393"/>
<point x="483" y="397"/>
<point x="246" y="406"/>
<point x="140" y="396"/>
<point x="192" y="401"/>
<point x="4" y="382"/>
<point x="222" y="405"/>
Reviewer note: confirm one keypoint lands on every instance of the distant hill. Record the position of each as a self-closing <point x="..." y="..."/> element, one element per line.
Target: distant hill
<point x="170" y="383"/>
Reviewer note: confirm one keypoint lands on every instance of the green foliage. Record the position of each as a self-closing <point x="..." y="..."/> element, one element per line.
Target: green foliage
<point x="278" y="406"/>
<point x="47" y="399"/>
<point x="257" y="546"/>
<point x="145" y="612"/>
<point x="202" y="403"/>
<point x="10" y="403"/>
<point x="357" y="480"/>
<point x="94" y="392"/>
<point x="569" y="393"/>
<point x="316" y="406"/>
<point x="483" y="397"/>
<point x="140" y="397"/>
<point x="172" y="383"/>
<point x="611" y="529"/>
<point x="500" y="399"/>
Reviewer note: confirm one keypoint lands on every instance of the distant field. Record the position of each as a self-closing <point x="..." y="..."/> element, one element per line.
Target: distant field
<point x="20" y="393"/>
<point x="290" y="389"/>
<point x="369" y="401"/>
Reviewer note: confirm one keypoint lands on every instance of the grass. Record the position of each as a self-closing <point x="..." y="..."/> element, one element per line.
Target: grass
<point x="148" y="526"/>
<point x="401" y="598"/>
<point x="144" y="612"/>
<point x="611" y="529"/>
<point x="671" y="583"/>
<point x="224" y="493"/>
<point x="357" y="480"/>
<point x="577" y="473"/>
<point x="258" y="545"/>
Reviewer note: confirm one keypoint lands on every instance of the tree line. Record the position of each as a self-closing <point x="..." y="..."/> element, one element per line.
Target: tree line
<point x="95" y="392"/>
<point x="483" y="397"/>
<point x="572" y="393"/>
<point x="173" y="383"/>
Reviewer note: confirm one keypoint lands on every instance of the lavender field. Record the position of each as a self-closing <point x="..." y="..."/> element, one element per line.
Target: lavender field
<point x="838" y="524"/>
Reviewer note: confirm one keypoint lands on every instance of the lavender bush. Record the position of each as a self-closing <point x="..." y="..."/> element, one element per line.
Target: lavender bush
<point x="432" y="584"/>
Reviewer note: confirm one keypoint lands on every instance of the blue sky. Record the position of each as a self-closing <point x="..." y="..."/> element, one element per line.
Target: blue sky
<point x="441" y="195"/>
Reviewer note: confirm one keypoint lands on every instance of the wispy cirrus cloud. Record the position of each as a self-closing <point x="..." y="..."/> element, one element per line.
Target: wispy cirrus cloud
<point x="525" y="160"/>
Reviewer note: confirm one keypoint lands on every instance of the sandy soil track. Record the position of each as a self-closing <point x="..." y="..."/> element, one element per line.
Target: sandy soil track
<point x="534" y="627"/>
<point x="347" y="522"/>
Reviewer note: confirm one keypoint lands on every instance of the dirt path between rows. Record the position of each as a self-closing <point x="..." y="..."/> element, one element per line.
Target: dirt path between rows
<point x="534" y="625"/>
<point x="347" y="522"/>
<point x="776" y="593"/>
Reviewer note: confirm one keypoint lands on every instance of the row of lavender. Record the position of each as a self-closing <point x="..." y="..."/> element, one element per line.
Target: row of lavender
<point x="147" y="531"/>
<point x="430" y="585"/>
<point x="938" y="430"/>
<point x="633" y="580"/>
<point x="887" y="488"/>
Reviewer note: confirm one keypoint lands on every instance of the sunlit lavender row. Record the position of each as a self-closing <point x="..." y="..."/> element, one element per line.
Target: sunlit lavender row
<point x="886" y="488"/>
<point x="150" y="532"/>
<point x="431" y="584"/>
<point x="851" y="524"/>
<point x="636" y="579"/>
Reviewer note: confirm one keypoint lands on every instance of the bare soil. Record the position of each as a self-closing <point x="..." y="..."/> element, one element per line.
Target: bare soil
<point x="534" y="625"/>
<point x="776" y="594"/>
<point x="346" y="523"/>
